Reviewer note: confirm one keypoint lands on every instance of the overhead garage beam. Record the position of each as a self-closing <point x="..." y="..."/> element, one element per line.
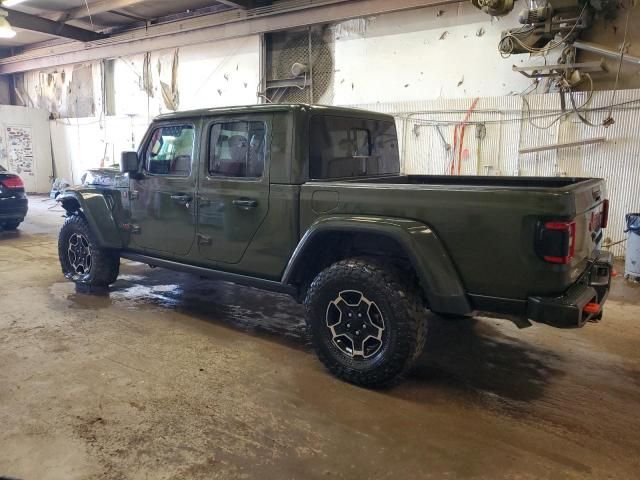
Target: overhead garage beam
<point x="94" y="9"/>
<point x="204" y="29"/>
<point x="50" y="27"/>
<point x="245" y="4"/>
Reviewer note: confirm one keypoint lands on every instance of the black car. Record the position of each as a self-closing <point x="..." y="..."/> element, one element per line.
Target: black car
<point x="13" y="200"/>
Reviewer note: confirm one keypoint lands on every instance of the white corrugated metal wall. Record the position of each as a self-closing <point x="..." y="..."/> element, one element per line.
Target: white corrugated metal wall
<point x="500" y="126"/>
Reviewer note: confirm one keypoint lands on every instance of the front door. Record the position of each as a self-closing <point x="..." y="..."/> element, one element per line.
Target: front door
<point x="233" y="197"/>
<point x="162" y="198"/>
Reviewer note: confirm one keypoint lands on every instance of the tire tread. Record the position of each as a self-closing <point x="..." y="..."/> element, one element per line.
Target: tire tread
<point x="405" y="298"/>
<point x="106" y="263"/>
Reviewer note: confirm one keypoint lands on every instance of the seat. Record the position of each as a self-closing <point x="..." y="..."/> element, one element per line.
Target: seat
<point x="181" y="164"/>
<point x="235" y="166"/>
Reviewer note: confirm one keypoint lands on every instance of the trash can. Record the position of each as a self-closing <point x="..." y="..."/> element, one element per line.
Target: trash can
<point x="632" y="260"/>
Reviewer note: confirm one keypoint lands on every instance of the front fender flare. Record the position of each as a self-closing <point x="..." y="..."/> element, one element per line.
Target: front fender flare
<point x="438" y="276"/>
<point x="94" y="207"/>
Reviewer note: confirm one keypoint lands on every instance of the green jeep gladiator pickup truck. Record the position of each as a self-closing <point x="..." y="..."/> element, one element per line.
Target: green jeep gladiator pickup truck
<point x="309" y="201"/>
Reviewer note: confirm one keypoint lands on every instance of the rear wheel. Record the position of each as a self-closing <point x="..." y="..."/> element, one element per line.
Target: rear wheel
<point x="82" y="259"/>
<point x="11" y="225"/>
<point x="366" y="323"/>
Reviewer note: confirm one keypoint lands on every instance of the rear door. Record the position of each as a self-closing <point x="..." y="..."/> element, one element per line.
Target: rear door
<point x="162" y="198"/>
<point x="233" y="195"/>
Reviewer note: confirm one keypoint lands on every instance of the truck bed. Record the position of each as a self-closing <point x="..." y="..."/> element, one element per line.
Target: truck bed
<point x="487" y="224"/>
<point x="476" y="181"/>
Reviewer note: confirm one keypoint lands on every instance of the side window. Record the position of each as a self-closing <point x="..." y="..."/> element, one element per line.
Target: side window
<point x="236" y="149"/>
<point x="170" y="151"/>
<point x="351" y="147"/>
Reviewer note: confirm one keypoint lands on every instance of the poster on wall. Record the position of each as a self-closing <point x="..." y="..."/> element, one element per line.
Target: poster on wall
<point x="19" y="150"/>
<point x="4" y="160"/>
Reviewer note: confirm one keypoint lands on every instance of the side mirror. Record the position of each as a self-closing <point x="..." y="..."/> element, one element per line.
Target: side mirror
<point x="129" y="162"/>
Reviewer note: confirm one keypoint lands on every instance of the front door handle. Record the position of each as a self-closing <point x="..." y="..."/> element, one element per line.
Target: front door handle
<point x="244" y="203"/>
<point x="181" y="199"/>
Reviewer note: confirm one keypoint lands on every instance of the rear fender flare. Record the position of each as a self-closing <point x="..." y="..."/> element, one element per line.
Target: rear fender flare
<point x="94" y="207"/>
<point x="438" y="276"/>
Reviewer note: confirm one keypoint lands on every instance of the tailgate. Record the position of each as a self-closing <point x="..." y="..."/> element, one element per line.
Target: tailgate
<point x="592" y="209"/>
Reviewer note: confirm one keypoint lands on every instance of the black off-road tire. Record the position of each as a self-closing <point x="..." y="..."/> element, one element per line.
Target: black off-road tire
<point x="398" y="301"/>
<point x="104" y="265"/>
<point x="11" y="226"/>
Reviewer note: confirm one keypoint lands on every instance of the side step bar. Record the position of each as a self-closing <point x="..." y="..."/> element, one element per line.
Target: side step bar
<point x="263" y="284"/>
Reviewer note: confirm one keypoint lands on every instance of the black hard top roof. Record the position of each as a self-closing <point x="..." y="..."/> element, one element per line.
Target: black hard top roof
<point x="274" y="107"/>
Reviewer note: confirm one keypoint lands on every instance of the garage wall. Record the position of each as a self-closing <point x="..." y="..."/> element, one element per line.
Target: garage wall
<point x="82" y="143"/>
<point x="210" y="75"/>
<point x="200" y="76"/>
<point x="452" y="52"/>
<point x="25" y="146"/>
<point x="442" y="52"/>
<point x="64" y="91"/>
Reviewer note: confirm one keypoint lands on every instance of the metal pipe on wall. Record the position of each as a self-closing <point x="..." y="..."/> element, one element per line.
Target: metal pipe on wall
<point x="607" y="52"/>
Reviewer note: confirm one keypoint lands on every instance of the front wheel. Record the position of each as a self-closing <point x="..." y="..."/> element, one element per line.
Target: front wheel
<point x="366" y="322"/>
<point x="82" y="259"/>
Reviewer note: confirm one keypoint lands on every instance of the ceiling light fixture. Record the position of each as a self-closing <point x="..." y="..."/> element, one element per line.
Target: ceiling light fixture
<point x="5" y="27"/>
<point x="11" y="3"/>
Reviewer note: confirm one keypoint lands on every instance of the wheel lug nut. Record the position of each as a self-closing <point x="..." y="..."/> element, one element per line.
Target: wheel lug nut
<point x="364" y="325"/>
<point x="357" y="332"/>
<point x="348" y="325"/>
<point x="359" y="315"/>
<point x="350" y="314"/>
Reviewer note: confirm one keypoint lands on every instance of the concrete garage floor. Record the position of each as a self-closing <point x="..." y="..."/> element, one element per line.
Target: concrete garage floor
<point x="171" y="376"/>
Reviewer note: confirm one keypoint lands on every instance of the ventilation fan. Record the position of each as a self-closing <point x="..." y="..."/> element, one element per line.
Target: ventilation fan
<point x="299" y="67"/>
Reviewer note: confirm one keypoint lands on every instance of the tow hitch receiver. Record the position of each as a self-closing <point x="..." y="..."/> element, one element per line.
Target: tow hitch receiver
<point x="591" y="308"/>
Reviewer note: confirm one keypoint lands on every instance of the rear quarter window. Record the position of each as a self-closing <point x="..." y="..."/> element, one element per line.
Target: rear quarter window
<point x="351" y="147"/>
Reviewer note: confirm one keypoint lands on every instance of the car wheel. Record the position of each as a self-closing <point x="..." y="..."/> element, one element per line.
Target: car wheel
<point x="10" y="226"/>
<point x="366" y="323"/>
<point x="82" y="259"/>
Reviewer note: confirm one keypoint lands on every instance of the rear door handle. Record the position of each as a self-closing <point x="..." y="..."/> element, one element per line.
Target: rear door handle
<point x="244" y="203"/>
<point x="181" y="199"/>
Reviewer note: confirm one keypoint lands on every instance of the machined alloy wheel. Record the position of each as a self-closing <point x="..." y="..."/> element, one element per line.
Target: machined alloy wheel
<point x="356" y="324"/>
<point x="79" y="252"/>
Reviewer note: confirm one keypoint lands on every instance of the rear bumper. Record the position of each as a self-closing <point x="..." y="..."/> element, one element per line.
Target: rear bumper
<point x="567" y="310"/>
<point x="13" y="208"/>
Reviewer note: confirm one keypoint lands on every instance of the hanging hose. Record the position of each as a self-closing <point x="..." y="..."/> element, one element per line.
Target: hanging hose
<point x="458" y="139"/>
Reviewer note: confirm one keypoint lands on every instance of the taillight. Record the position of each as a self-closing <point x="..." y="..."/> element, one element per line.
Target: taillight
<point x="12" y="182"/>
<point x="605" y="214"/>
<point x="557" y="241"/>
